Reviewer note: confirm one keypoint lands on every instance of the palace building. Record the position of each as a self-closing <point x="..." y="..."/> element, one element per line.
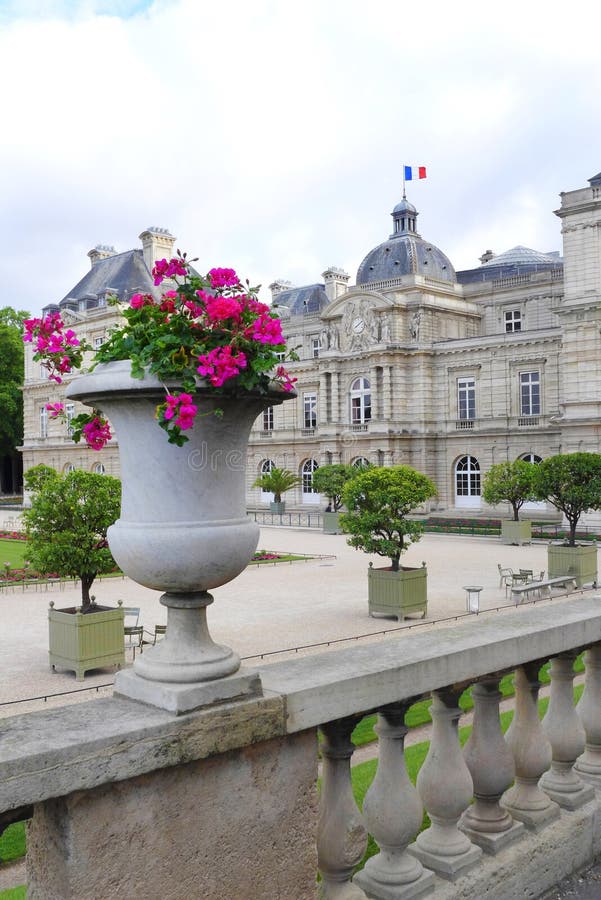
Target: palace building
<point x="414" y="363"/>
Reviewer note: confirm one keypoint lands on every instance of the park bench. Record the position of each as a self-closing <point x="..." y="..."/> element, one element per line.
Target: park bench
<point x="541" y="587"/>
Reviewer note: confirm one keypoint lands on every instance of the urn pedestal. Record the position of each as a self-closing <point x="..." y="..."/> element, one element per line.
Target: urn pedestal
<point x="183" y="528"/>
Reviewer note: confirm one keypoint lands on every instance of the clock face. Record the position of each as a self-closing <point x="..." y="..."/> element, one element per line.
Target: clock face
<point x="358" y="325"/>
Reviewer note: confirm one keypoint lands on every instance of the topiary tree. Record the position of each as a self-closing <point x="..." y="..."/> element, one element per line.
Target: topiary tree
<point x="510" y="482"/>
<point x="36" y="477"/>
<point x="277" y="482"/>
<point x="378" y="502"/>
<point x="67" y="524"/>
<point x="572" y="483"/>
<point x="331" y="479"/>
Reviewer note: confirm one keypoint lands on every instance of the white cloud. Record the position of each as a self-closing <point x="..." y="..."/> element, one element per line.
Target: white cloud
<point x="270" y="136"/>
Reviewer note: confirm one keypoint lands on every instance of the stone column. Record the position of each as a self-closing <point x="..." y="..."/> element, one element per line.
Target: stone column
<point x="341" y="835"/>
<point x="490" y="762"/>
<point x="566" y="735"/>
<point x="445" y="787"/>
<point x="588" y="765"/>
<point x="393" y="814"/>
<point x="531" y="755"/>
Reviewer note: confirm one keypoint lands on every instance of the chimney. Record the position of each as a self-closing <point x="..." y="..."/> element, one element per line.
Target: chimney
<point x="157" y="243"/>
<point x="278" y="286"/>
<point x="336" y="282"/>
<point x="100" y="251"/>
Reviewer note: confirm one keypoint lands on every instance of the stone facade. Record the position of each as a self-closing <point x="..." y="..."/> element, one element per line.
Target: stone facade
<point x="415" y="363"/>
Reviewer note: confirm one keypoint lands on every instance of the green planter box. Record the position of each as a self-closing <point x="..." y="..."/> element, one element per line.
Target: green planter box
<point x="579" y="561"/>
<point x="278" y="508"/>
<point x="513" y="532"/>
<point x="82" y="642"/>
<point x="398" y="594"/>
<point x="331" y="523"/>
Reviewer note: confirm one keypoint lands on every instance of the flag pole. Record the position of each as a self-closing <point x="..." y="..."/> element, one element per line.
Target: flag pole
<point x="404" y="197"/>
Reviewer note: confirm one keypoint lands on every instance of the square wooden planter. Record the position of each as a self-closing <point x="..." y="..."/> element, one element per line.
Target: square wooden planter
<point x="513" y="532"/>
<point x="398" y="594"/>
<point x="82" y="642"/>
<point x="579" y="561"/>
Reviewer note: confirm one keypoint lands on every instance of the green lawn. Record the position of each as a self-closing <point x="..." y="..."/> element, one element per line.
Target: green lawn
<point x="13" y="552"/>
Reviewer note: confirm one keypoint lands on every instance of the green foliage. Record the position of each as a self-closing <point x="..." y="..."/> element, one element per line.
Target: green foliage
<point x="18" y="893"/>
<point x="276" y="482"/>
<point x="378" y="502"/>
<point x="572" y="483"/>
<point x="67" y="525"/>
<point x="11" y="379"/>
<point x="12" y="842"/>
<point x="510" y="482"/>
<point x="34" y="478"/>
<point x="331" y="479"/>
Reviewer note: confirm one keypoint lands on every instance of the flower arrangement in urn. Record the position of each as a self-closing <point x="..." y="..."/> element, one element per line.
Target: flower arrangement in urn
<point x="202" y="327"/>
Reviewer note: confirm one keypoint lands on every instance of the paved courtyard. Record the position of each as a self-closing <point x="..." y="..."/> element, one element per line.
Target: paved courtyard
<point x="267" y="608"/>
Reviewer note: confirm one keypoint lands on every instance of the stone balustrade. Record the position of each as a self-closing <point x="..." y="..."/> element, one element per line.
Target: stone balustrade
<point x="129" y="800"/>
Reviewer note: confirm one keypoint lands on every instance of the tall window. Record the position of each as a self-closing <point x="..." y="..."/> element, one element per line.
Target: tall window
<point x="264" y="469"/>
<point x="43" y="421"/>
<point x="69" y="412"/>
<point x="513" y="320"/>
<point x="309" y="467"/>
<point x="360" y="401"/>
<point x="466" y="398"/>
<point x="99" y="469"/>
<point x="315" y="347"/>
<point x="467" y="481"/>
<point x="530" y="393"/>
<point x="268" y="419"/>
<point x="310" y="409"/>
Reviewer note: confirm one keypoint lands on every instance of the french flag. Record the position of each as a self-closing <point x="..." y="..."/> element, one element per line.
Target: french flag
<point x="413" y="172"/>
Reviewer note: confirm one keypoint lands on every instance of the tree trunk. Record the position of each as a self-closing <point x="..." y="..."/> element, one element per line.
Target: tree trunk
<point x="395" y="563"/>
<point x="86" y="583"/>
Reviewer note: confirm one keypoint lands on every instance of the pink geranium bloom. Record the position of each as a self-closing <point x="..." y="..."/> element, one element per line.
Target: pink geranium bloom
<point x="221" y="364"/>
<point x="220" y="308"/>
<point x="285" y="378"/>
<point x="97" y="433"/>
<point x="223" y="278"/>
<point x="139" y="300"/>
<point x="265" y="330"/>
<point x="181" y="407"/>
<point x="55" y="409"/>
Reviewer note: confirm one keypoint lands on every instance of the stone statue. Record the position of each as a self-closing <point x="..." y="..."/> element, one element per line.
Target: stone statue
<point x="414" y="325"/>
<point x="385" y="329"/>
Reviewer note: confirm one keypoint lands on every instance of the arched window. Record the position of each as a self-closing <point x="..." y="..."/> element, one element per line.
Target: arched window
<point x="531" y="458"/>
<point x="310" y="495"/>
<point x="533" y="505"/>
<point x="467" y="481"/>
<point x="361" y="462"/>
<point x="69" y="468"/>
<point x="264" y="469"/>
<point x="99" y="469"/>
<point x="360" y="401"/>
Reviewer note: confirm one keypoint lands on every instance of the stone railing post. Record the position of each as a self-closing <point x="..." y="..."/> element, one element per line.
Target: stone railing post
<point x="341" y="835"/>
<point x="393" y="814"/>
<point x="531" y="754"/>
<point x="490" y="762"/>
<point x="445" y="787"/>
<point x="588" y="765"/>
<point x="566" y="735"/>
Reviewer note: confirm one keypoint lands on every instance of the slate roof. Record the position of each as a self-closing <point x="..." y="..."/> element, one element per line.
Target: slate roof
<point x="124" y="273"/>
<point x="311" y="298"/>
<point x="405" y="254"/>
<point x="516" y="261"/>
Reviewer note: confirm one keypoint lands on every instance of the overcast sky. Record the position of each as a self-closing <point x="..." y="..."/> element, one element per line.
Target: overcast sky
<point x="270" y="136"/>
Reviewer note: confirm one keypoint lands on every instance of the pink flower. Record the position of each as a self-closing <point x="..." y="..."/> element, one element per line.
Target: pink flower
<point x="168" y="269"/>
<point x="265" y="330"/>
<point x="221" y="364"/>
<point x="97" y="433"/>
<point x="139" y="300"/>
<point x="181" y="406"/>
<point x="223" y="278"/>
<point x="220" y="308"/>
<point x="55" y="409"/>
<point x="285" y="379"/>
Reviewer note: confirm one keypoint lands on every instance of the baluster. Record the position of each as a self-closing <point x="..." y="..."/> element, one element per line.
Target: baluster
<point x="341" y="835"/>
<point x="393" y="814"/>
<point x="445" y="787"/>
<point x="531" y="754"/>
<point x="490" y="762"/>
<point x="588" y="765"/>
<point x="566" y="734"/>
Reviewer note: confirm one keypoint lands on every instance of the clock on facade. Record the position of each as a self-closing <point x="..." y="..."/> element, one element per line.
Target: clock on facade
<point x="358" y="325"/>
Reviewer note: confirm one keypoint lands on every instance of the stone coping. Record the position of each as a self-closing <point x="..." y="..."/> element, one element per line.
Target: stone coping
<point x="52" y="753"/>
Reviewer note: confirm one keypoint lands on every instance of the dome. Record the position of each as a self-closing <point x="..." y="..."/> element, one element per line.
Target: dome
<point x="517" y="261"/>
<point x="405" y="252"/>
<point x="522" y="256"/>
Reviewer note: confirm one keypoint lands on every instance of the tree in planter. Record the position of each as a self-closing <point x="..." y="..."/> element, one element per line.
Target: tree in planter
<point x="572" y="483"/>
<point x="378" y="503"/>
<point x="510" y="482"/>
<point x="67" y="523"/>
<point x="277" y="482"/>
<point x="331" y="479"/>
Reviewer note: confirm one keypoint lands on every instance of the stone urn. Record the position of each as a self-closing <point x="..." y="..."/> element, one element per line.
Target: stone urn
<point x="183" y="527"/>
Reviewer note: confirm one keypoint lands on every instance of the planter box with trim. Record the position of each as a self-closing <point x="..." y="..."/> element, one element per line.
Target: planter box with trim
<point x="278" y="508"/>
<point x="81" y="642"/>
<point x="579" y="561"/>
<point x="331" y="523"/>
<point x="513" y="532"/>
<point x="398" y="594"/>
